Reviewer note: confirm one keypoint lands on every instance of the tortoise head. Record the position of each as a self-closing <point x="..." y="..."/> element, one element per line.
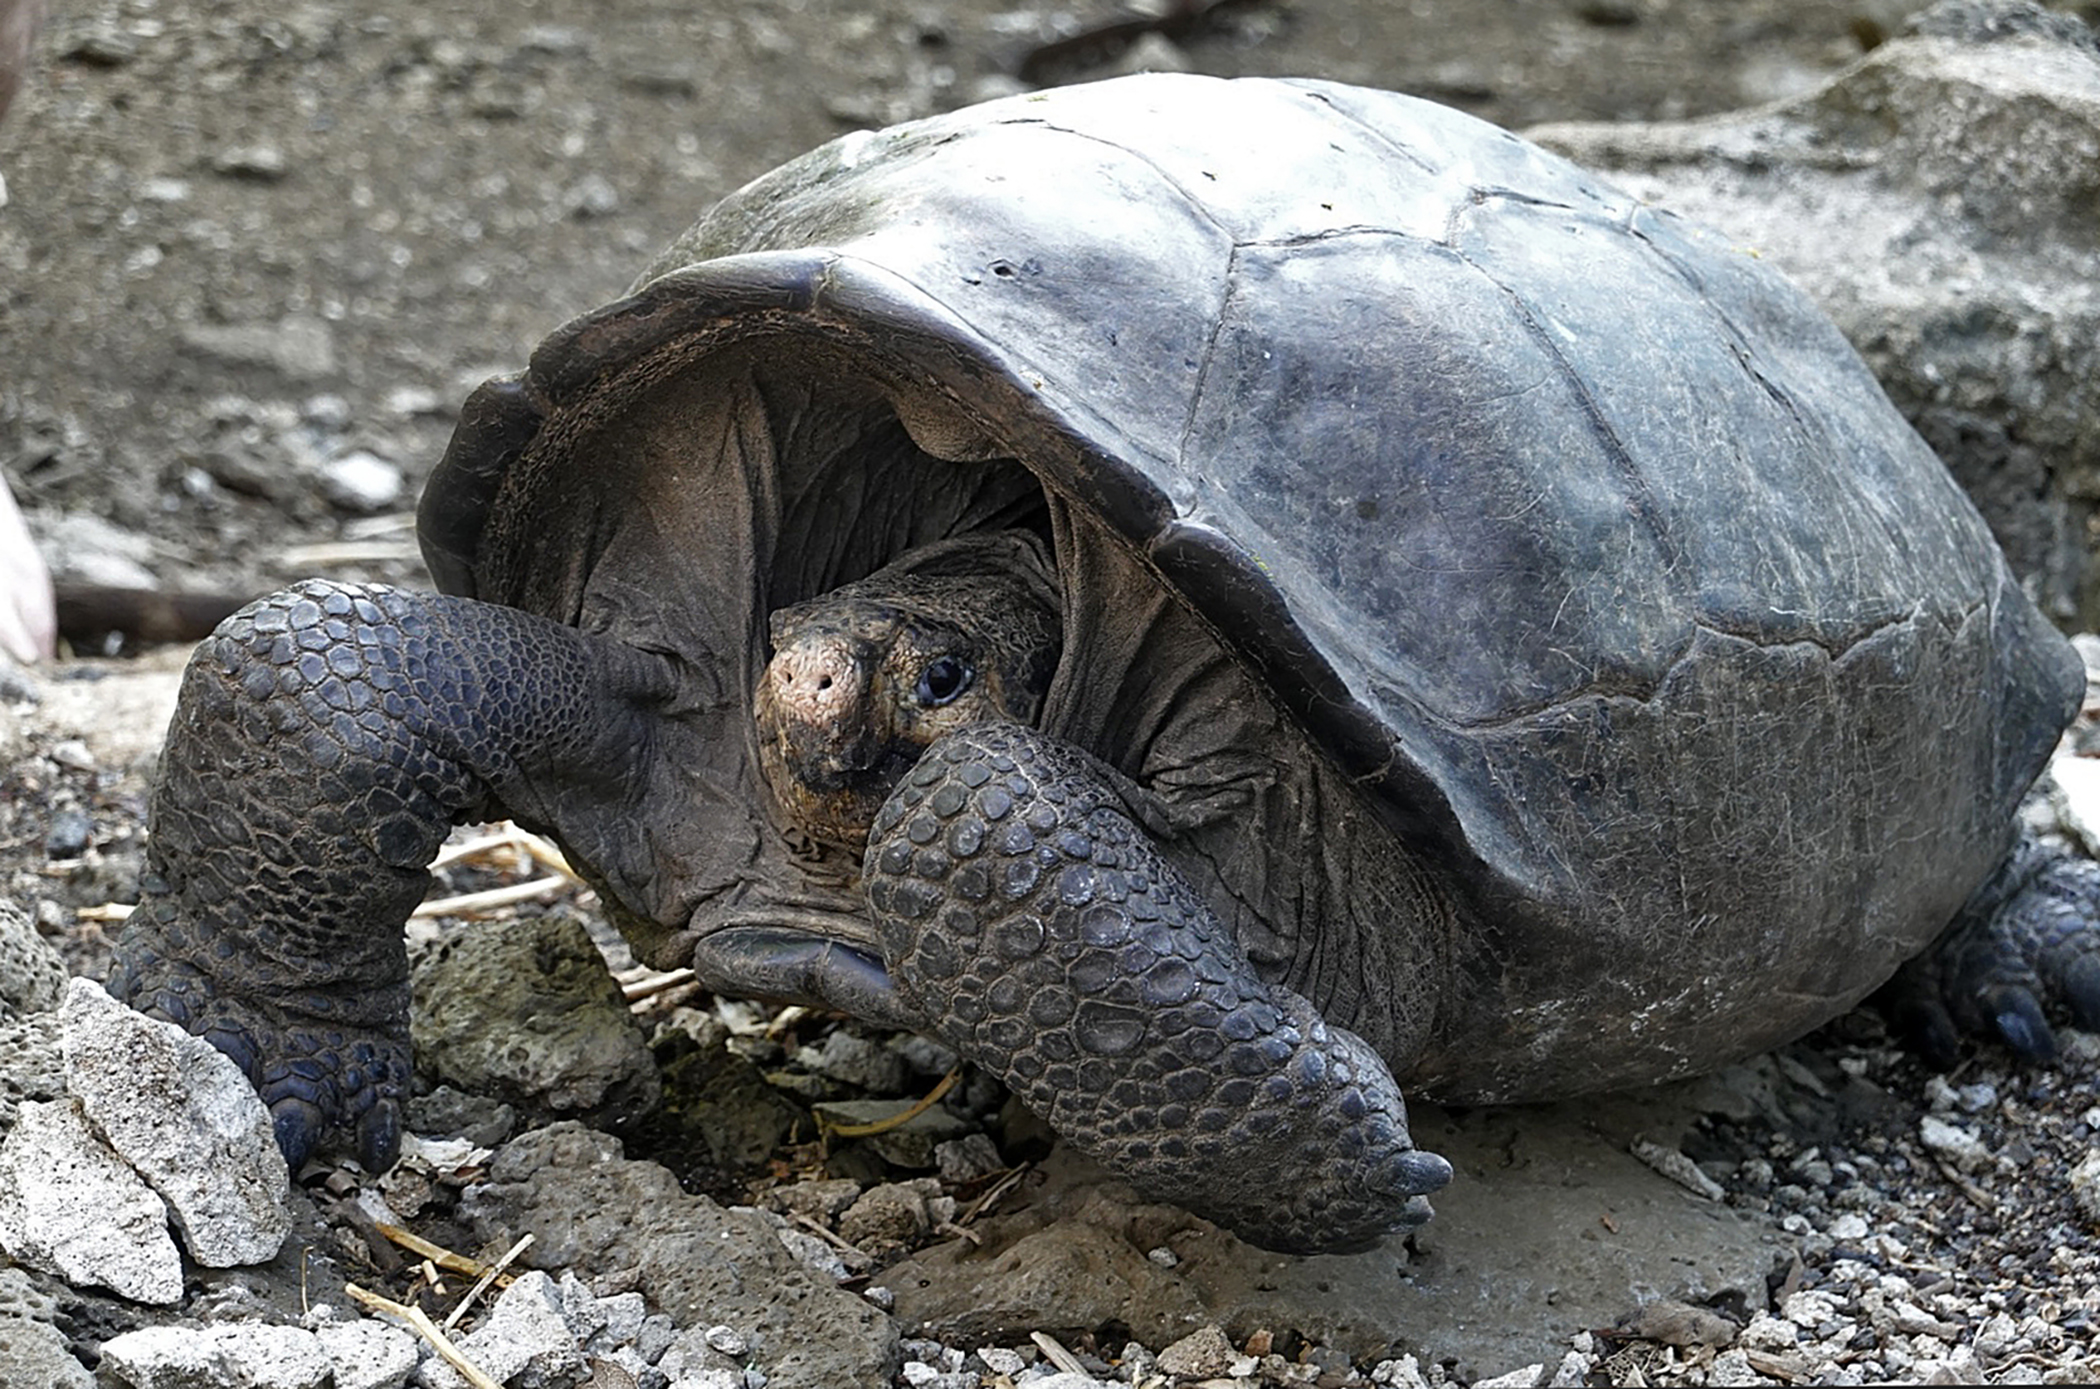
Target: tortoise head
<point x="864" y="678"/>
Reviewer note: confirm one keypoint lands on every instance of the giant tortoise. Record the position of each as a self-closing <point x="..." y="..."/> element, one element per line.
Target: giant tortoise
<point x="1221" y="601"/>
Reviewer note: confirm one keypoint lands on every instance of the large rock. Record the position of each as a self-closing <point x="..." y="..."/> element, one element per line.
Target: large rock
<point x="245" y="1355"/>
<point x="182" y="1114"/>
<point x="1941" y="200"/>
<point x="70" y="1206"/>
<point x="590" y="1209"/>
<point x="527" y="1011"/>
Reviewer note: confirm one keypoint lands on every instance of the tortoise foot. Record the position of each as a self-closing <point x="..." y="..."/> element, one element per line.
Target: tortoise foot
<point x="326" y="739"/>
<point x="1026" y="913"/>
<point x="328" y="1079"/>
<point x="2028" y="940"/>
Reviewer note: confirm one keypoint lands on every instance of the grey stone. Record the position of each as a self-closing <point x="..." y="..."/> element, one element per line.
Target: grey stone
<point x="588" y="1206"/>
<point x="85" y="549"/>
<point x="1956" y="1143"/>
<point x="262" y="163"/>
<point x="71" y="1207"/>
<point x="1938" y="200"/>
<point x="886" y="1220"/>
<point x="182" y="1114"/>
<point x="32" y="976"/>
<point x="242" y="1355"/>
<point x="31" y="1067"/>
<point x="1200" y="1354"/>
<point x="822" y="1200"/>
<point x="32" y="1349"/>
<point x="526" y="1341"/>
<point x="856" y="1061"/>
<point x="967" y="1158"/>
<point x="2084" y="1181"/>
<point x="526" y="1011"/>
<point x="367" y="1354"/>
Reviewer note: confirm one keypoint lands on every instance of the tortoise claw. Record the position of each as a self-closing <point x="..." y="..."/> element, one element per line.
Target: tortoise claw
<point x="299" y="1126"/>
<point x="2017" y="1016"/>
<point x="379" y="1135"/>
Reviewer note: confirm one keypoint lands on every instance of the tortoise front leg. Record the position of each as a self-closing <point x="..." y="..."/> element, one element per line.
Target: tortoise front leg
<point x="326" y="739"/>
<point x="1030" y="918"/>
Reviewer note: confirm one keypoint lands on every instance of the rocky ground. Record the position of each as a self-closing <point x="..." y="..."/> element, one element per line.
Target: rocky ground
<point x="1833" y="1213"/>
<point x="254" y="256"/>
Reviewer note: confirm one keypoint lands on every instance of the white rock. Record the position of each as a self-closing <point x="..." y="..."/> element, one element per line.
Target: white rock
<point x="362" y="482"/>
<point x="1198" y="1355"/>
<point x="1677" y="1167"/>
<point x="182" y="1114"/>
<point x="1001" y="1361"/>
<point x="70" y="1206"/>
<point x="1849" y="1227"/>
<point x="1769" y="1333"/>
<point x="244" y="1355"/>
<point x="727" y="1339"/>
<point x="1525" y="1378"/>
<point x="2084" y="1180"/>
<point x="1955" y="1143"/>
<point x="525" y="1329"/>
<point x="1732" y="1367"/>
<point x="369" y="1354"/>
<point x="2074" y="791"/>
<point x="1403" y="1373"/>
<point x="1573" y="1371"/>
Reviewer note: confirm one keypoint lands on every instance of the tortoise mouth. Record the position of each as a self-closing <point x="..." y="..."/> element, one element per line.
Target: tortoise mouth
<point x="818" y="961"/>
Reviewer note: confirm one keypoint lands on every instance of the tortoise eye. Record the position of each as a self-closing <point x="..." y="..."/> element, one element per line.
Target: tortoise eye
<point x="942" y="681"/>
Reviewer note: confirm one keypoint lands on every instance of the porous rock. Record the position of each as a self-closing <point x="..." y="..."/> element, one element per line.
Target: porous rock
<point x="527" y="1011"/>
<point x="239" y="1355"/>
<point x="31" y="1067"/>
<point x="1200" y="1354"/>
<point x="2084" y="1182"/>
<point x="72" y="1207"/>
<point x="1937" y="199"/>
<point x="367" y="1354"/>
<point x="527" y="1340"/>
<point x="591" y="1209"/>
<point x="182" y="1114"/>
<point x="32" y="976"/>
<point x="886" y="1220"/>
<point x="33" y="1350"/>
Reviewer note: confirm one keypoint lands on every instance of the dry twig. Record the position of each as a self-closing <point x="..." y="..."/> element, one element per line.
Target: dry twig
<point x="894" y="1121"/>
<point x="489" y="1275"/>
<point x="424" y="1327"/>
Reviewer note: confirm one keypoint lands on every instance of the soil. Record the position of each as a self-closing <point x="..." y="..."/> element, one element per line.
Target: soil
<point x="246" y="242"/>
<point x="254" y="255"/>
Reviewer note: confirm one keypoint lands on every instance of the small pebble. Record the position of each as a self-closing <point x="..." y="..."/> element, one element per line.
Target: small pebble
<point x="362" y="482"/>
<point x="70" y="834"/>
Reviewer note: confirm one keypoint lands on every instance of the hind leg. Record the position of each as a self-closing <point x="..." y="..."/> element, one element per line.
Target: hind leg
<point x="2029" y="938"/>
